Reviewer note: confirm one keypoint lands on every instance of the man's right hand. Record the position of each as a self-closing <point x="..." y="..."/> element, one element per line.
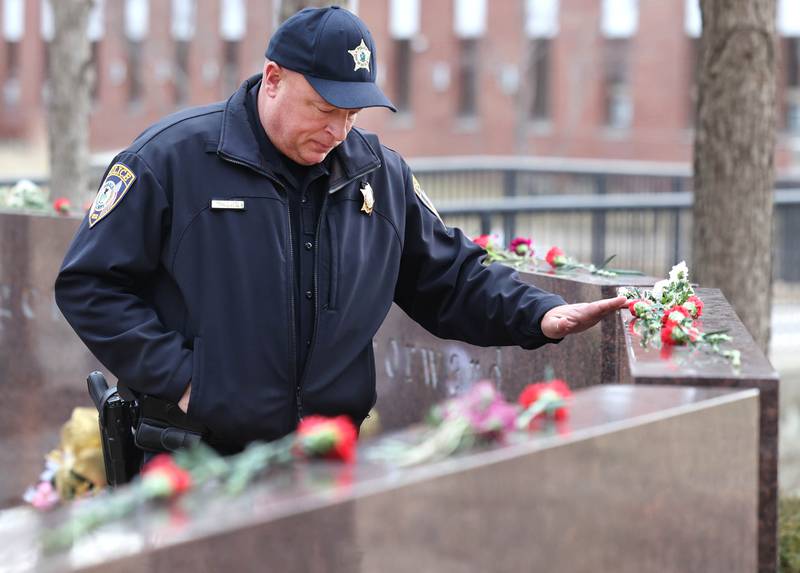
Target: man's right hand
<point x="183" y="403"/>
<point x="572" y="318"/>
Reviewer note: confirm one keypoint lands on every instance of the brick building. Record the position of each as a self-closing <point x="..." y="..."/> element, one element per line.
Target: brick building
<point x="602" y="79"/>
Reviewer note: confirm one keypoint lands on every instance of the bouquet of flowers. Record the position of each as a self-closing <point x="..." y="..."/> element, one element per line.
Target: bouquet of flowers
<point x="669" y="313"/>
<point x="24" y="194"/>
<point x="519" y="254"/>
<point x="167" y="477"/>
<point x="75" y="468"/>
<point x="559" y="261"/>
<point x="479" y="417"/>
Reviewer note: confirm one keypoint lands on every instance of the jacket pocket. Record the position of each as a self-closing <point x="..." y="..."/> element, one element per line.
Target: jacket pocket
<point x="197" y="377"/>
<point x="333" y="279"/>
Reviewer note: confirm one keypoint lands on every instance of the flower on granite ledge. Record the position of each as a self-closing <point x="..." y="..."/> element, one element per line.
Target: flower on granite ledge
<point x="677" y="314"/>
<point x="486" y="242"/>
<point x="62" y="206"/>
<point x="694" y="305"/>
<point x="679" y="272"/>
<point x="639" y="308"/>
<point x="489" y="415"/>
<point x="544" y="398"/>
<point x="522" y="246"/>
<point x="332" y="438"/>
<point x="678" y="334"/>
<point x="556" y="257"/>
<point x="162" y="477"/>
<point x="42" y="496"/>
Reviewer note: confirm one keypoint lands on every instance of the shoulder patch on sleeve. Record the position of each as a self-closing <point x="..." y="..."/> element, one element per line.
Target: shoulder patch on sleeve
<point x="425" y="200"/>
<point x="116" y="184"/>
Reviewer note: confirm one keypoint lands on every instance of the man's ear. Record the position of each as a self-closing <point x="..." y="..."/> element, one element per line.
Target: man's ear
<point x="272" y="78"/>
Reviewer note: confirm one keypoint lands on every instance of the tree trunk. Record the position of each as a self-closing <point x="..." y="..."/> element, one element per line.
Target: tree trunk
<point x="733" y="157"/>
<point x="69" y="101"/>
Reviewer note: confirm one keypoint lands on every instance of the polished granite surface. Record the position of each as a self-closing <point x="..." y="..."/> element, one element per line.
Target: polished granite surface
<point x="624" y="486"/>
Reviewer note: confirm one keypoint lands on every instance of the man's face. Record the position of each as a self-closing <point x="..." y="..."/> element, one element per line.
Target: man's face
<point x="301" y="124"/>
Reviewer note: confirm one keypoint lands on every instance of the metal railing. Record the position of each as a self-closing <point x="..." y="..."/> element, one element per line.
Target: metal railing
<point x="639" y="211"/>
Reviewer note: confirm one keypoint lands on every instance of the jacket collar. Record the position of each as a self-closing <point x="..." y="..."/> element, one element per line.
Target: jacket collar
<point x="353" y="158"/>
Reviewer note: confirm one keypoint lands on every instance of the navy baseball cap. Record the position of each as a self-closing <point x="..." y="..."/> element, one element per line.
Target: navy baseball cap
<point x="334" y="51"/>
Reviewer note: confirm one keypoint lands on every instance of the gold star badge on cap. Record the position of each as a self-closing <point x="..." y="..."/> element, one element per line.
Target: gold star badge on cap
<point x="361" y="56"/>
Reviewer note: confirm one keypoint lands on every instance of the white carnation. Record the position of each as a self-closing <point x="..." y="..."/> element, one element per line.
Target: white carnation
<point x="679" y="272"/>
<point x="658" y="289"/>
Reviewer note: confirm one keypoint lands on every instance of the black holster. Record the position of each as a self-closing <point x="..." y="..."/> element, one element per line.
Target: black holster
<point x="163" y="427"/>
<point x="131" y="424"/>
<point x="118" y="417"/>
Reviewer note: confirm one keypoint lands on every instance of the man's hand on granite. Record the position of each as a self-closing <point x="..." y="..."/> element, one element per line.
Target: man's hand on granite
<point x="572" y="318"/>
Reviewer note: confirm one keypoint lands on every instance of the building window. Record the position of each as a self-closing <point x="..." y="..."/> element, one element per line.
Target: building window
<point x="693" y="26"/>
<point x="12" y="86"/>
<point x="404" y="26"/>
<point x="135" y="83"/>
<point x="619" y="23"/>
<point x="180" y="79"/>
<point x="694" y="71"/>
<point x="13" y="31"/>
<point x="183" y="28"/>
<point x="540" y="66"/>
<point x="285" y="8"/>
<point x="232" y="28"/>
<point x="619" y="18"/>
<point x="137" y="17"/>
<point x="468" y="78"/>
<point x="618" y="103"/>
<point x="94" y="74"/>
<point x="541" y="27"/>
<point x="792" y="97"/>
<point x="402" y="75"/>
<point x="230" y="66"/>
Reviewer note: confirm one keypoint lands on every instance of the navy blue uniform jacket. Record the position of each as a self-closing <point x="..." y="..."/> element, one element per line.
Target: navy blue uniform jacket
<point x="165" y="290"/>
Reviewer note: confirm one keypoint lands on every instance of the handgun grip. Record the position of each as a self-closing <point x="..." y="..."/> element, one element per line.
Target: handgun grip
<point x="97" y="388"/>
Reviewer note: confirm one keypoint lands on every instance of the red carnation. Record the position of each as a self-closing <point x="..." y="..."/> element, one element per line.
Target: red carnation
<point x="638" y="307"/>
<point x="482" y="241"/>
<point x="164" y="477"/>
<point x="555" y="389"/>
<point x="332" y="438"/>
<point x="675" y="314"/>
<point x="521" y="246"/>
<point x="62" y="206"/>
<point x="694" y="305"/>
<point x="556" y="257"/>
<point x="674" y="333"/>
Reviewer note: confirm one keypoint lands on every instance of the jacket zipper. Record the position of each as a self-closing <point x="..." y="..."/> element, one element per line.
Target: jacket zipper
<point x="316" y="272"/>
<point x="298" y="384"/>
<point x="292" y="326"/>
<point x="292" y="319"/>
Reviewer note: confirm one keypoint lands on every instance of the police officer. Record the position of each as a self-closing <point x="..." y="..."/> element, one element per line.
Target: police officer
<point x="239" y="257"/>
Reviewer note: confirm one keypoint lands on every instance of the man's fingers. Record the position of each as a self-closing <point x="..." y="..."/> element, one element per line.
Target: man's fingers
<point x="579" y="317"/>
<point x="600" y="308"/>
<point x="573" y="318"/>
<point x="611" y="304"/>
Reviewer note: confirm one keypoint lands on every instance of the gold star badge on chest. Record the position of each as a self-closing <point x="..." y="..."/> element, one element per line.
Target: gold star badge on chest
<point x="369" y="199"/>
<point x="361" y="56"/>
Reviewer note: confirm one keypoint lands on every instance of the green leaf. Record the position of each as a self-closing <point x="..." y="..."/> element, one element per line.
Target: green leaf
<point x="605" y="262"/>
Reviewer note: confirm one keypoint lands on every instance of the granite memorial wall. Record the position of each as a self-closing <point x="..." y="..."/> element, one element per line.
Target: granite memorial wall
<point x="44" y="364"/>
